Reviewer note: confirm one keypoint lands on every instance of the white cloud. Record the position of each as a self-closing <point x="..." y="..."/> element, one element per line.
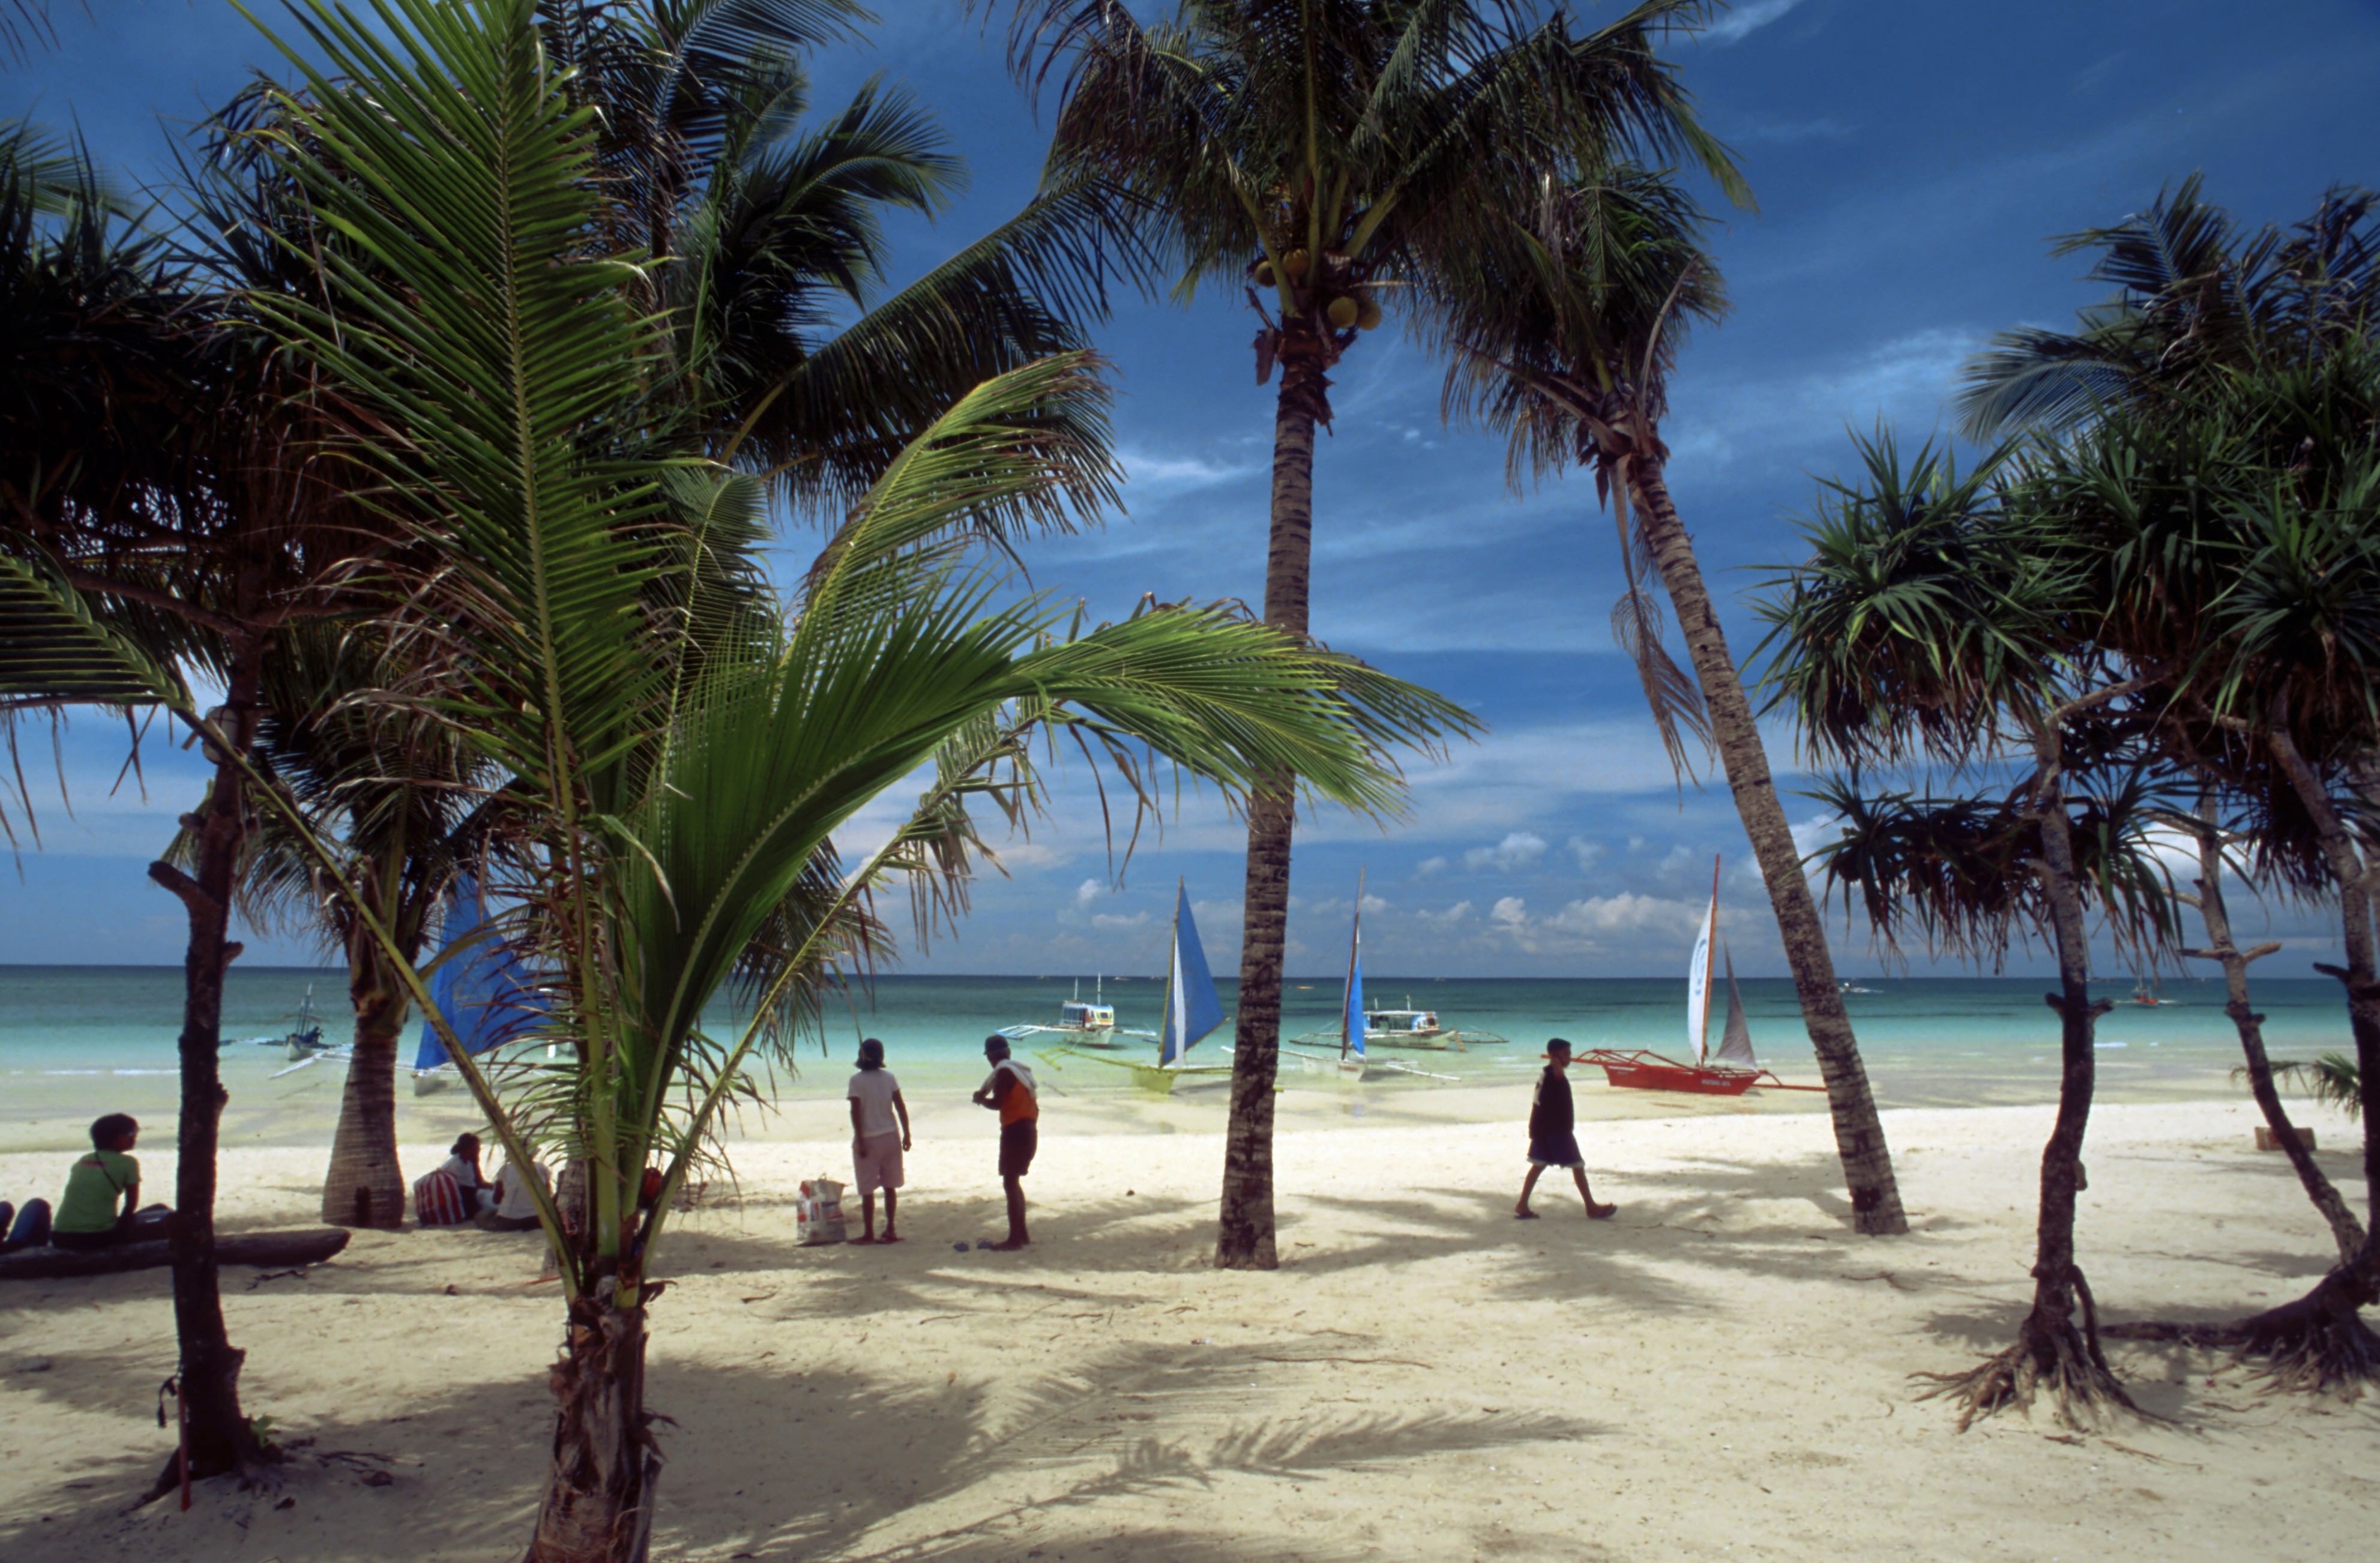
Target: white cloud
<point x="1447" y="918"/>
<point x="1150" y="476"/>
<point x="1739" y="22"/>
<point x="1603" y="916"/>
<point x="1511" y="911"/>
<point x="1516" y="851"/>
<point x="1087" y="891"/>
<point x="1818" y="830"/>
<point x="1430" y="867"/>
<point x="1588" y="853"/>
<point x="1032" y="854"/>
<point x="1112" y="920"/>
<point x="1373" y="905"/>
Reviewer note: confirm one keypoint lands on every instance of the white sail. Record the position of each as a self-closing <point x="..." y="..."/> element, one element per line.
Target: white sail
<point x="1735" y="1042"/>
<point x="1698" y="976"/>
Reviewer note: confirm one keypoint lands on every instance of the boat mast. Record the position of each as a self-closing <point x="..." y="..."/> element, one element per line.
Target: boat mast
<point x="1173" y="968"/>
<point x="1347" y="994"/>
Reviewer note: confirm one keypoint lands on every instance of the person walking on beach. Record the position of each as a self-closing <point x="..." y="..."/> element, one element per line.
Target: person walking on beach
<point x="1553" y="1134"/>
<point x="1010" y="1092"/>
<point x="102" y="1205"/>
<point x="880" y="1133"/>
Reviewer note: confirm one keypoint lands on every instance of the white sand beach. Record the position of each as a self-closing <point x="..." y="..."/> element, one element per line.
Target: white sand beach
<point x="1722" y="1371"/>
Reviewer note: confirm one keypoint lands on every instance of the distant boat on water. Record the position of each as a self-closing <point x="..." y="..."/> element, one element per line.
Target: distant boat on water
<point x="1082" y="1022"/>
<point x="1193" y="1009"/>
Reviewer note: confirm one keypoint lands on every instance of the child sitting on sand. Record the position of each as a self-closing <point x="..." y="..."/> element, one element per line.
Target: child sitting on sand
<point x="1553" y="1134"/>
<point x="880" y="1133"/>
<point x="100" y="1206"/>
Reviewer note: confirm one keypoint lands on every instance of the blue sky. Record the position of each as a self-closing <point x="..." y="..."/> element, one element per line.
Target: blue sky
<point x="1909" y="162"/>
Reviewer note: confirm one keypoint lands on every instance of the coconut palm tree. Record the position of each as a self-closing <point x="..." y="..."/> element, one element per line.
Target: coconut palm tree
<point x="1922" y="630"/>
<point x="1560" y="330"/>
<point x="667" y="809"/>
<point x="1319" y="158"/>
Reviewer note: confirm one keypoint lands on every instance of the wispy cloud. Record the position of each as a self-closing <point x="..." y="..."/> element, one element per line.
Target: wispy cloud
<point x="1739" y="22"/>
<point x="1515" y="852"/>
<point x="1148" y="474"/>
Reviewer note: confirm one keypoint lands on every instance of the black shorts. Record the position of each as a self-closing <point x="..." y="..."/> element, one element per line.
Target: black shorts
<point x="1017" y="1144"/>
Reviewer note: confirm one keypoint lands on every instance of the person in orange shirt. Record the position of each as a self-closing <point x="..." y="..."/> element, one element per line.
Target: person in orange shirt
<point x="1009" y="1091"/>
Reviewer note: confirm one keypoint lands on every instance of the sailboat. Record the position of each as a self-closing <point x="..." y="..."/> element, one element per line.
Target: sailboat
<point x="1193" y="1009"/>
<point x="485" y="993"/>
<point x="1081" y="1022"/>
<point x="1353" y="1064"/>
<point x="1730" y="1069"/>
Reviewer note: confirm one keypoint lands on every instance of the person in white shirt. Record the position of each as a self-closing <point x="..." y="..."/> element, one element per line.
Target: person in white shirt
<point x="516" y="1207"/>
<point x="880" y="1133"/>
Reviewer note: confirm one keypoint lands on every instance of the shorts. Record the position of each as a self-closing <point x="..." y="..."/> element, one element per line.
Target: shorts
<point x="876" y="1163"/>
<point x="1561" y="1150"/>
<point x="1018" y="1142"/>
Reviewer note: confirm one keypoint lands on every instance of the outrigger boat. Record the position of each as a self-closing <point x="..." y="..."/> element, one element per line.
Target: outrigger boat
<point x="1081" y="1024"/>
<point x="305" y="1044"/>
<point x="1193" y="1009"/>
<point x="1733" y="1069"/>
<point x="1354" y="1062"/>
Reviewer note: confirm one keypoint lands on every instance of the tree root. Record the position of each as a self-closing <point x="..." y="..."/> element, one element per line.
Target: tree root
<point x="2050" y="1356"/>
<point x="2318" y="1343"/>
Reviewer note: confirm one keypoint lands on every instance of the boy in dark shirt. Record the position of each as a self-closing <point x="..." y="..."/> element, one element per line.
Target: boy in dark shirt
<point x="1553" y="1138"/>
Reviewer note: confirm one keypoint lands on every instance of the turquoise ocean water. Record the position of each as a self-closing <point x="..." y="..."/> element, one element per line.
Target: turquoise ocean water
<point x="1929" y="1041"/>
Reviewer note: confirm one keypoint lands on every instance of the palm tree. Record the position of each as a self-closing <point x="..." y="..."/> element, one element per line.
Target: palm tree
<point x="668" y="808"/>
<point x="156" y="452"/>
<point x="1922" y="630"/>
<point x="1319" y="158"/>
<point x="1560" y="330"/>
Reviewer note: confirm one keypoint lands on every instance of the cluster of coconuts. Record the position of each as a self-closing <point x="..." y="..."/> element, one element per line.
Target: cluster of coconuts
<point x="1349" y="310"/>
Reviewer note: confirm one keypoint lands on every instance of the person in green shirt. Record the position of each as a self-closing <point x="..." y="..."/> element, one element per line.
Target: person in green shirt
<point x="102" y="1205"/>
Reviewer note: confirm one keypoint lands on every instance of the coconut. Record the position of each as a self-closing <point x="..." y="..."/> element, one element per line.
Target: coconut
<point x="1294" y="264"/>
<point x="1368" y="314"/>
<point x="1343" y="311"/>
<point x="1264" y="273"/>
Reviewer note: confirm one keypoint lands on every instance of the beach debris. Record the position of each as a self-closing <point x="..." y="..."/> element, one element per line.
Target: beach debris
<point x="32" y="1365"/>
<point x="378" y="1478"/>
<point x="959" y="1247"/>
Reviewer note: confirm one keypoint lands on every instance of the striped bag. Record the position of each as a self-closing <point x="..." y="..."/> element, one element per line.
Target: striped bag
<point x="438" y="1201"/>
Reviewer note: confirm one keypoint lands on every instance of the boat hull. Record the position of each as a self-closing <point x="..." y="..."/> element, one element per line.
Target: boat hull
<point x="1650" y="1072"/>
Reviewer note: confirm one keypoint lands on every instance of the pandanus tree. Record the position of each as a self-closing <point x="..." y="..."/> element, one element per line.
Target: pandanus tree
<point x="2227" y="530"/>
<point x="158" y="458"/>
<point x="1319" y="158"/>
<point x="676" y="778"/>
<point x="1561" y="329"/>
<point x="1922" y="630"/>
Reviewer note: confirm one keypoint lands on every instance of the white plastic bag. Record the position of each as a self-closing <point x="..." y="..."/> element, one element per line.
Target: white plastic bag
<point x="817" y="1212"/>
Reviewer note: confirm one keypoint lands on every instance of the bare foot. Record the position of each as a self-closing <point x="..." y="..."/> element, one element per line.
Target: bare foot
<point x="1601" y="1212"/>
<point x="1009" y="1245"/>
<point x="863" y="1238"/>
<point x="890" y="1237"/>
<point x="1525" y="1213"/>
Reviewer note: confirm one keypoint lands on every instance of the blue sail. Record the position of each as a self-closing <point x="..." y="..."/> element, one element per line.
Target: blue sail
<point x="484" y="993"/>
<point x="1192" y="1009"/>
<point x="1351" y="1021"/>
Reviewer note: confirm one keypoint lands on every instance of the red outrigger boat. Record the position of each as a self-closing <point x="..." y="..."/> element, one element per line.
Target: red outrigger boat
<point x="1642" y="1069"/>
<point x="1731" y="1071"/>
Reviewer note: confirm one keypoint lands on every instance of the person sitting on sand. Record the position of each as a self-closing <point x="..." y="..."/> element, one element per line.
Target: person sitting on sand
<point x="462" y="1164"/>
<point x="1010" y="1092"/>
<point x="516" y="1205"/>
<point x="1553" y="1134"/>
<point x="880" y="1133"/>
<point x="102" y="1205"/>
<point x="29" y="1227"/>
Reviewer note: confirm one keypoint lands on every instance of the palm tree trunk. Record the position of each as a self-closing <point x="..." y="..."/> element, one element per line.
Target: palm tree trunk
<point x="599" y="1494"/>
<point x="1859" y="1133"/>
<point x="219" y="1438"/>
<point x="1244" y="1239"/>
<point x="365" y="1187"/>
<point x="2345" y="1229"/>
<point x="2050" y="1352"/>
